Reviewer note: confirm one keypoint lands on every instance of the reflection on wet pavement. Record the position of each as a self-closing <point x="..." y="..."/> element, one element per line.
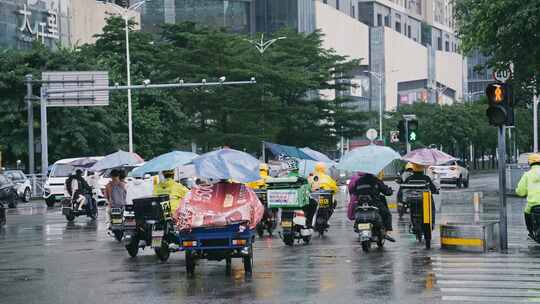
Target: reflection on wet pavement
<point x="44" y="259"/>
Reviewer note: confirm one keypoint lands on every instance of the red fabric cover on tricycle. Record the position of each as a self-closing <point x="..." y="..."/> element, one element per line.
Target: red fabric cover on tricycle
<point x="219" y="205"/>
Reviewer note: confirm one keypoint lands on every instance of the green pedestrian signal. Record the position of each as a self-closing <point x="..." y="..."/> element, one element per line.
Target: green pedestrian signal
<point x="412" y="136"/>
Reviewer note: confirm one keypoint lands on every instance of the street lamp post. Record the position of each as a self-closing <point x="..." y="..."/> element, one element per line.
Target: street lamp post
<point x="261" y="46"/>
<point x="379" y="77"/>
<point x="124" y="13"/>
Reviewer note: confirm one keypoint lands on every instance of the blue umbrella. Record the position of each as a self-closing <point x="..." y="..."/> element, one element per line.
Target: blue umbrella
<point x="369" y="159"/>
<point x="164" y="162"/>
<point x="117" y="159"/>
<point x="227" y="164"/>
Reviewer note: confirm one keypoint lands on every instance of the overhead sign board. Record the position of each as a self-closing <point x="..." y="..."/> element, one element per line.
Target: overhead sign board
<point x="72" y="81"/>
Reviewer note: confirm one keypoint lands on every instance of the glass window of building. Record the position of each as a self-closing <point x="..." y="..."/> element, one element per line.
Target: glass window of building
<point x="235" y="14"/>
<point x="379" y="20"/>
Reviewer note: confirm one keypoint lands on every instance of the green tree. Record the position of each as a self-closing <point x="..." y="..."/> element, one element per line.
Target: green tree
<point x="507" y="32"/>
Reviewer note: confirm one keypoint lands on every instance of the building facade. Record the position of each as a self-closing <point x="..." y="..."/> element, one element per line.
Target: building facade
<point x="53" y="22"/>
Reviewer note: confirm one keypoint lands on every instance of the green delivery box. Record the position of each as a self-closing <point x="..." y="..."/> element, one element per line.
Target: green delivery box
<point x="287" y="192"/>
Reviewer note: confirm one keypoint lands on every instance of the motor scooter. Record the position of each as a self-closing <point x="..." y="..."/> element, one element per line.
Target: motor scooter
<point x="269" y="219"/>
<point x="535" y="214"/>
<point x="325" y="208"/>
<point x="368" y="223"/>
<point x="117" y="223"/>
<point x="71" y="206"/>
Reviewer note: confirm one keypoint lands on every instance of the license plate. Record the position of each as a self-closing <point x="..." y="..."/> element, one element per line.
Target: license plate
<point x="324" y="202"/>
<point x="116" y="221"/>
<point x="364" y="226"/>
<point x="156" y="241"/>
<point x="286" y="224"/>
<point x="129" y="222"/>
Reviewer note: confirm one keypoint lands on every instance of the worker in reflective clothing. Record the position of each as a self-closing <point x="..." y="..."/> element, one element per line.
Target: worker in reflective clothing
<point x="169" y="186"/>
<point x="529" y="186"/>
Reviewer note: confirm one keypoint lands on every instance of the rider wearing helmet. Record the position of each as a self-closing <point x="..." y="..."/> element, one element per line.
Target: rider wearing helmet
<point x="419" y="176"/>
<point x="169" y="186"/>
<point x="529" y="186"/>
<point x="78" y="189"/>
<point x="261" y="183"/>
<point x="323" y="181"/>
<point x="369" y="184"/>
<point x="403" y="177"/>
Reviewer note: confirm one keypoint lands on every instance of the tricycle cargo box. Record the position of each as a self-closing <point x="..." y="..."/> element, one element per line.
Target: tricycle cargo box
<point x="149" y="208"/>
<point x="288" y="198"/>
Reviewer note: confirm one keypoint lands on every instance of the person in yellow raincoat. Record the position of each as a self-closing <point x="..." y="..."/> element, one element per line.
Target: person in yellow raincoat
<point x="261" y="183"/>
<point x="529" y="186"/>
<point x="323" y="181"/>
<point x="175" y="190"/>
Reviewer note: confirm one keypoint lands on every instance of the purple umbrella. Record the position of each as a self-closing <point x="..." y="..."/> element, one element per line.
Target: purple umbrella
<point x="428" y="157"/>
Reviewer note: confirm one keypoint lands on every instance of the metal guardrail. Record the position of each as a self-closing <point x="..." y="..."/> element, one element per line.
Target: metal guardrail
<point x="37" y="181"/>
<point x="514" y="172"/>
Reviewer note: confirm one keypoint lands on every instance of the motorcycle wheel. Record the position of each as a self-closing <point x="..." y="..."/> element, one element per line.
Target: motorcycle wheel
<point x="380" y="241"/>
<point x="70" y="217"/>
<point x="228" y="266"/>
<point x="366" y="245"/>
<point x="163" y="252"/>
<point x="260" y="230"/>
<point x="190" y="263"/>
<point x="94" y="214"/>
<point x="427" y="235"/>
<point x="50" y="202"/>
<point x="133" y="247"/>
<point x="118" y="235"/>
<point x="2" y="216"/>
<point x="13" y="202"/>
<point x="248" y="262"/>
<point x="288" y="239"/>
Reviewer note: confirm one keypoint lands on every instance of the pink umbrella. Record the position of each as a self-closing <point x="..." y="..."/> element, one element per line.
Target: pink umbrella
<point x="428" y="157"/>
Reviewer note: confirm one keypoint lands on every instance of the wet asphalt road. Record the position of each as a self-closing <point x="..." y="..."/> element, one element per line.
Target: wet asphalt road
<point x="43" y="259"/>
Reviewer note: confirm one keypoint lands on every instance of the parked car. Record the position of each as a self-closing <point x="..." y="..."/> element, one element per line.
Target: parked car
<point x="8" y="192"/>
<point x="22" y="184"/>
<point x="455" y="172"/>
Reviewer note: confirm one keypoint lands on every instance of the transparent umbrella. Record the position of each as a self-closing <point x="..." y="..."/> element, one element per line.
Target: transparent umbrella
<point x="369" y="159"/>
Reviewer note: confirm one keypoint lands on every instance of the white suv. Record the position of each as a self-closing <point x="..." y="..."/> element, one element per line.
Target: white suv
<point x="455" y="172"/>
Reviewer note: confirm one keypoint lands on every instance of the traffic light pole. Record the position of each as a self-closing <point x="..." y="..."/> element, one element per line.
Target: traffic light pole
<point x="503" y="230"/>
<point x="407" y="143"/>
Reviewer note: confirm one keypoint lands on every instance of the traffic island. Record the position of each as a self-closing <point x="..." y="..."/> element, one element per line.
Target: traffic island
<point x="469" y="237"/>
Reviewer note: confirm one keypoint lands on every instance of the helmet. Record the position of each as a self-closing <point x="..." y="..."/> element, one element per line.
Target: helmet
<point x="409" y="166"/>
<point x="78" y="172"/>
<point x="168" y="173"/>
<point x="292" y="164"/>
<point x="533" y="158"/>
<point x="320" y="167"/>
<point x="263" y="167"/>
<point x="417" y="168"/>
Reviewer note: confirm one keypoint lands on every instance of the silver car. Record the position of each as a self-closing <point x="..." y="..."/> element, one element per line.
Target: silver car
<point x="22" y="184"/>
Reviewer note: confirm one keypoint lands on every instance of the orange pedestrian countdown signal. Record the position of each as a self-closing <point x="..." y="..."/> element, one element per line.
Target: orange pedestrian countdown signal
<point x="498" y="94"/>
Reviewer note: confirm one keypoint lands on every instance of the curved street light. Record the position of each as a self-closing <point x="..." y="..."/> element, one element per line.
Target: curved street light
<point x="125" y="14"/>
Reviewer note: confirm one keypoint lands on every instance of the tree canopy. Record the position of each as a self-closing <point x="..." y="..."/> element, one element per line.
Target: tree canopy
<point x="507" y="32"/>
<point x="282" y="107"/>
